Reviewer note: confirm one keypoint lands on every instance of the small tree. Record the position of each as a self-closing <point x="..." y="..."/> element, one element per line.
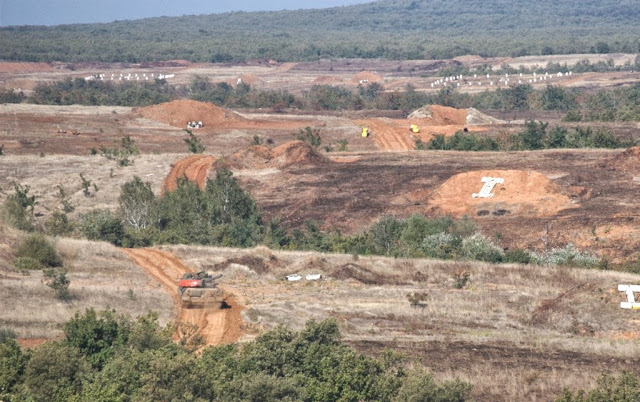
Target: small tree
<point x="64" y="199"/>
<point x="58" y="281"/>
<point x="17" y="209"/>
<point x="86" y="184"/>
<point x="58" y="224"/>
<point x="136" y="201"/>
<point x="310" y="136"/>
<point x="256" y="140"/>
<point x="122" y="155"/>
<point x="193" y="143"/>
<point x="342" y="145"/>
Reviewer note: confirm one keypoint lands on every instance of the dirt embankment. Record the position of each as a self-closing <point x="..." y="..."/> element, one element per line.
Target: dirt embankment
<point x="523" y="192"/>
<point x="291" y="153"/>
<point x="194" y="168"/>
<point x="177" y="113"/>
<point x="16" y="67"/>
<point x="628" y="160"/>
<point x="395" y="134"/>
<point x="215" y="325"/>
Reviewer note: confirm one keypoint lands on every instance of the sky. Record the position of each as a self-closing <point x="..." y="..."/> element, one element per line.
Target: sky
<point x="55" y="12"/>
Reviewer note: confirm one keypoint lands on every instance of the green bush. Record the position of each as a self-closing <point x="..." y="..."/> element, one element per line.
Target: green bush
<point x="58" y="225"/>
<point x="567" y="255"/>
<point x="12" y="363"/>
<point x="101" y="225"/>
<point x="624" y="387"/>
<point x="55" y="373"/>
<point x="479" y="247"/>
<point x="58" y="281"/>
<point x="421" y="387"/>
<point x="311" y="136"/>
<point x="17" y="209"/>
<point x="517" y="256"/>
<point x="193" y="143"/>
<point x="26" y="264"/>
<point x="37" y="247"/>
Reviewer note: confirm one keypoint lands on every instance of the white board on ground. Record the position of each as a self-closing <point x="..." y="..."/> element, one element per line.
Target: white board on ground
<point x="489" y="184"/>
<point x="631" y="299"/>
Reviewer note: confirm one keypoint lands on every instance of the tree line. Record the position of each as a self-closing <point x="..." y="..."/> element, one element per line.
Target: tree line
<point x="390" y="29"/>
<point x="617" y="104"/>
<point x="535" y="136"/>
<point x="108" y="357"/>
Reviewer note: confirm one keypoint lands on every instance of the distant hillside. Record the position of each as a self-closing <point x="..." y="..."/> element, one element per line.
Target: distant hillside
<point x="396" y="29"/>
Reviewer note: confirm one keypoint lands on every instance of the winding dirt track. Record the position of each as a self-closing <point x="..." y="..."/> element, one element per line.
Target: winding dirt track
<point x="194" y="168"/>
<point x="215" y="325"/>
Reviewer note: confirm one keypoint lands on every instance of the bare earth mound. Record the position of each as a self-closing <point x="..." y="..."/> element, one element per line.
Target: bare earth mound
<point x="441" y="115"/>
<point x="177" y="113"/>
<point x="628" y="160"/>
<point x="294" y="153"/>
<point x="444" y="115"/>
<point x="194" y="168"/>
<point x="366" y="76"/>
<point x="522" y="193"/>
<point x="475" y="117"/>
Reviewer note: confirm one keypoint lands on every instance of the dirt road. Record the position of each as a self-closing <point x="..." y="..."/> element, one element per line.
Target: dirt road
<point x="215" y="325"/>
<point x="194" y="167"/>
<point x="388" y="136"/>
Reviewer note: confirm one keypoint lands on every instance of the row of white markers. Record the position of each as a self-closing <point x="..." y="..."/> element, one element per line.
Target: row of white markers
<point x="503" y="80"/>
<point x="128" y="77"/>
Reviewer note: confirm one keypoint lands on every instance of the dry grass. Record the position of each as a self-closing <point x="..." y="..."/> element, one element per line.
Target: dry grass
<point x="101" y="276"/>
<point x="518" y="332"/>
<point x="44" y="174"/>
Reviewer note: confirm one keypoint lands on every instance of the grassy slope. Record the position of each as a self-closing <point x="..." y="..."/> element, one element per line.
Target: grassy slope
<point x="387" y="28"/>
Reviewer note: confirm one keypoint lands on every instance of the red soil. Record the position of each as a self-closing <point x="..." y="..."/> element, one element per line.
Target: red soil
<point x="523" y="192"/>
<point x="177" y="113"/>
<point x="194" y="168"/>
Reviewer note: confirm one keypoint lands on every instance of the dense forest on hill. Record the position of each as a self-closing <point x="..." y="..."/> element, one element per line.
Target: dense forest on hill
<point x="395" y="29"/>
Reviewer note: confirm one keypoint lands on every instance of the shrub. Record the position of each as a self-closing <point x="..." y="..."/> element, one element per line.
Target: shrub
<point x="342" y="145"/>
<point x="26" y="264"/>
<point x="101" y="225"/>
<point x="59" y="282"/>
<point x="122" y="155"/>
<point x="461" y="278"/>
<point x="517" y="256"/>
<point x="58" y="225"/>
<point x="420" y="386"/>
<point x="55" y="373"/>
<point x="567" y="255"/>
<point x="193" y="143"/>
<point x="479" y="247"/>
<point x="256" y="140"/>
<point x="36" y="246"/>
<point x="17" y="209"/>
<point x="310" y="136"/>
<point x="440" y="245"/>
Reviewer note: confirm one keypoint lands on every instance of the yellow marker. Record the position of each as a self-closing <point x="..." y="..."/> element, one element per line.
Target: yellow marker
<point x="365" y="132"/>
<point x="415" y="129"/>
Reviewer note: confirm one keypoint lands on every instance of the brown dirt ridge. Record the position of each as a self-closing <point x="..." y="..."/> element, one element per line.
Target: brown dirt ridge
<point x="216" y="326"/>
<point x="291" y="153"/>
<point x="629" y="160"/>
<point x="525" y="192"/>
<point x="194" y="168"/>
<point x="177" y="113"/>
